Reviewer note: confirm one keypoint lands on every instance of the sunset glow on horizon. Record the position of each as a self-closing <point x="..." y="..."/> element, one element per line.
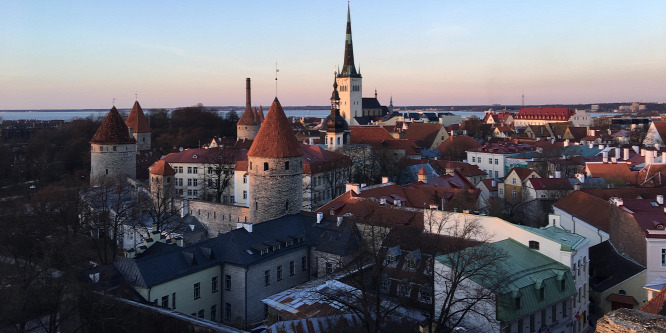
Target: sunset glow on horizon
<point x="84" y="54"/>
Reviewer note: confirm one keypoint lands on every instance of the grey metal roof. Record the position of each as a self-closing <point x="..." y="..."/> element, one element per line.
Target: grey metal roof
<point x="239" y="247"/>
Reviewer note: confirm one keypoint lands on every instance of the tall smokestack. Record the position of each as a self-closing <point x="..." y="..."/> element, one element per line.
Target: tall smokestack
<point x="248" y="99"/>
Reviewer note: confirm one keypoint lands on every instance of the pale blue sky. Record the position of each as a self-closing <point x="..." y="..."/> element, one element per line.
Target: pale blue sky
<point x="82" y="54"/>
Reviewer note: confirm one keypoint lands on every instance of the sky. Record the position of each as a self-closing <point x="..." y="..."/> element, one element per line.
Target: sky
<point x="83" y="54"/>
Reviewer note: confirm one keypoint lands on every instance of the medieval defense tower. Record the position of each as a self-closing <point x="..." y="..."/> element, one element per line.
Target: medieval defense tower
<point x="112" y="150"/>
<point x="275" y="169"/>
<point x="139" y="128"/>
<point x="249" y="123"/>
<point x="350" y="82"/>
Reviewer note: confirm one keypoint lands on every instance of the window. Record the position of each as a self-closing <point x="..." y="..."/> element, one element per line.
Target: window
<point x="195" y="170"/>
<point x="227" y="311"/>
<point x="329" y="268"/>
<point x="473" y="159"/>
<point x="543" y="317"/>
<point x="180" y="181"/>
<point x="267" y="277"/>
<point x="385" y="284"/>
<point x="197" y="290"/>
<point x="513" y="193"/>
<point x="564" y="309"/>
<point x="425" y="295"/>
<point x="513" y="181"/>
<point x="520" y="325"/>
<point x="496" y="161"/>
<point x="532" y="323"/>
<point x="201" y="313"/>
<point x="411" y="264"/>
<point x="501" y="191"/>
<point x="390" y="258"/>
<point x="279" y="273"/>
<point x="214" y="284"/>
<point x="265" y="166"/>
<point x="490" y="161"/>
<point x="496" y="174"/>
<point x="517" y="303"/>
<point x="286" y="205"/>
<point x="180" y="169"/>
<point x="554" y="318"/>
<point x="244" y="194"/>
<point x="403" y="289"/>
<point x="189" y="169"/>
<point x="304" y="263"/>
<point x="292" y="268"/>
<point x="534" y="245"/>
<point x="173" y="300"/>
<point x="114" y="148"/>
<point x="213" y="312"/>
<point x="663" y="257"/>
<point x="244" y="179"/>
<point x="189" y="181"/>
<point x="165" y="302"/>
<point x="210" y="170"/>
<point x="286" y="165"/>
<point x="542" y="293"/>
<point x="195" y="182"/>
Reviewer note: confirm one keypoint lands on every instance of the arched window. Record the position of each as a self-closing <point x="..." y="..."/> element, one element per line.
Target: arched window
<point x="256" y="205"/>
<point x="265" y="166"/>
<point x="286" y="205"/>
<point x="338" y="140"/>
<point x="286" y="165"/>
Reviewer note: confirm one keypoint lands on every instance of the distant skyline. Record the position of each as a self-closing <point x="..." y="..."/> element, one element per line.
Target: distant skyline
<point x="82" y="54"/>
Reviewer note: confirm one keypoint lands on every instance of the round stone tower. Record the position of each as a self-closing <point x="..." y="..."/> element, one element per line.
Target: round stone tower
<point x="139" y="128"/>
<point x="275" y="169"/>
<point x="248" y="124"/>
<point x="162" y="184"/>
<point x="112" y="151"/>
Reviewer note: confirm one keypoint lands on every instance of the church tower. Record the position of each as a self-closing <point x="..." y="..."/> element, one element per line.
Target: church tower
<point x="335" y="130"/>
<point x="139" y="128"/>
<point x="112" y="151"/>
<point x="248" y="125"/>
<point x="275" y="169"/>
<point x="350" y="82"/>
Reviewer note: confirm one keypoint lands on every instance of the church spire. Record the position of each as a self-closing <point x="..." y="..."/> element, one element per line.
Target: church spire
<point x="348" y="68"/>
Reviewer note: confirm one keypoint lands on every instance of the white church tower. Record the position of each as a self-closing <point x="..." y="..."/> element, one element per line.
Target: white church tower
<point x="350" y="86"/>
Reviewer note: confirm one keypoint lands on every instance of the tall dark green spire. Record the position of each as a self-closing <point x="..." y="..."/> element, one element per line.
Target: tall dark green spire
<point x="349" y="69"/>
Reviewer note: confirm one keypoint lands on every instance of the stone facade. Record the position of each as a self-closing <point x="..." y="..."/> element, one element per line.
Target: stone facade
<point x="143" y="141"/>
<point x="217" y="217"/>
<point x="247" y="132"/>
<point x="112" y="162"/>
<point x="627" y="236"/>
<point x="276" y="187"/>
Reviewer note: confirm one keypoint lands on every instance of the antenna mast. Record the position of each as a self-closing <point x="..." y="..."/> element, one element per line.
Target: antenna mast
<point x="276" y="73"/>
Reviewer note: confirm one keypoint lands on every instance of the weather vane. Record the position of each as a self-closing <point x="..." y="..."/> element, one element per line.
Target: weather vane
<point x="276" y="73"/>
<point x="136" y="96"/>
<point x="113" y="103"/>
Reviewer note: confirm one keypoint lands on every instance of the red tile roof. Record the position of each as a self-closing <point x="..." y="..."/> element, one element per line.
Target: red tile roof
<point x="317" y="159"/>
<point x="489" y="184"/>
<point x="586" y="207"/>
<point x="423" y="133"/>
<point x="369" y="134"/>
<point x="370" y="210"/>
<point x="656" y="303"/>
<point x="540" y="113"/>
<point x="112" y="130"/>
<point x="275" y="137"/>
<point x="660" y="126"/>
<point x="162" y="168"/>
<point x="466" y="169"/>
<point x="247" y="118"/>
<point x="260" y="115"/>
<point x="551" y="184"/>
<point x="522" y="173"/>
<point x="206" y="156"/>
<point x="609" y="170"/>
<point x="137" y="120"/>
<point x="457" y="144"/>
<point x="648" y="213"/>
<point x="653" y="175"/>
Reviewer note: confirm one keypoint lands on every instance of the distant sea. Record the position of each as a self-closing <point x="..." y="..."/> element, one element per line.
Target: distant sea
<point x="69" y="115"/>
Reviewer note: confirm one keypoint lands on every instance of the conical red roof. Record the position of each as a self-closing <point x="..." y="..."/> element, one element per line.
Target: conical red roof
<point x="247" y="119"/>
<point x="275" y="137"/>
<point x="260" y="113"/>
<point x="113" y="130"/>
<point x="162" y="168"/>
<point x="137" y="120"/>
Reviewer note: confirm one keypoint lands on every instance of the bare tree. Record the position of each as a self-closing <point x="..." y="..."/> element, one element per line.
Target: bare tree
<point x="219" y="174"/>
<point x="469" y="261"/>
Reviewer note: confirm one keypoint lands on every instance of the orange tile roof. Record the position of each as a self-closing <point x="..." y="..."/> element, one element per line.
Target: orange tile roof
<point x="655" y="304"/>
<point x="137" y="120"/>
<point x="162" y="168"/>
<point x="247" y="118"/>
<point x="369" y="134"/>
<point x="275" y="137"/>
<point x="586" y="207"/>
<point x="112" y="130"/>
<point x="609" y="170"/>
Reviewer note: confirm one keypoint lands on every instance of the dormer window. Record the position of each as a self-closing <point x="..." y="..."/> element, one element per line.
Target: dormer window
<point x="276" y="247"/>
<point x="390" y="259"/>
<point x="534" y="245"/>
<point x="264" y="251"/>
<point x="660" y="226"/>
<point x="265" y="166"/>
<point x="194" y="156"/>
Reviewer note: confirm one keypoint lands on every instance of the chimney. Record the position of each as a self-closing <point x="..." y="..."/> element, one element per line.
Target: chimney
<point x="433" y="206"/>
<point x="353" y="187"/>
<point x="616" y="201"/>
<point x="614" y="160"/>
<point x="605" y="156"/>
<point x="179" y="241"/>
<point x="617" y="152"/>
<point x="601" y="147"/>
<point x="363" y="185"/>
<point x="247" y="226"/>
<point x="636" y="149"/>
<point x="581" y="177"/>
<point x="320" y="216"/>
<point x="590" y="145"/>
<point x="396" y="202"/>
<point x="248" y="99"/>
<point x="239" y="225"/>
<point x="591" y="132"/>
<point x="339" y="221"/>
<point x="577" y="187"/>
<point x="311" y="141"/>
<point x="566" y="142"/>
<point x="663" y="157"/>
<point x="649" y="157"/>
<point x="558" y="174"/>
<point x="657" y="146"/>
<point x="626" y="154"/>
<point x="465" y="211"/>
<point x="385" y="180"/>
<point x="660" y="199"/>
<point x="382" y="201"/>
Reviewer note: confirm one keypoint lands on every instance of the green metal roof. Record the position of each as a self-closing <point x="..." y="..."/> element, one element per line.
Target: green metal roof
<point x="569" y="241"/>
<point x="526" y="271"/>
